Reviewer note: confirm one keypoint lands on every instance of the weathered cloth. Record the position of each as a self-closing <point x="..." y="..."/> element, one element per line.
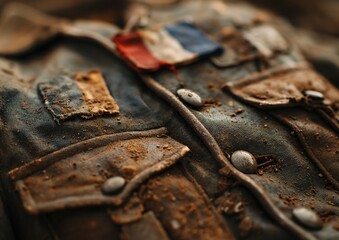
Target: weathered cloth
<point x="73" y="115"/>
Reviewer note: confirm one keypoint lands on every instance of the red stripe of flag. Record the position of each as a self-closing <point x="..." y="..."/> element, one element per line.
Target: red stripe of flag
<point x="132" y="48"/>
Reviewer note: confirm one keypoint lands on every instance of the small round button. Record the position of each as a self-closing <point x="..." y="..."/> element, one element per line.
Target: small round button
<point x="307" y="218"/>
<point x="113" y="185"/>
<point x="190" y="97"/>
<point x="244" y="162"/>
<point x="315" y="95"/>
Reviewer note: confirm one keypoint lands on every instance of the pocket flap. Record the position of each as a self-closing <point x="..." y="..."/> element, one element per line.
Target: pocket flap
<point x="282" y="88"/>
<point x="73" y="176"/>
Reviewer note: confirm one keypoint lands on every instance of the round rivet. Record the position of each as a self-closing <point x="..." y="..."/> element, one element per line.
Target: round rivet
<point x="175" y="224"/>
<point x="190" y="97"/>
<point x="314" y="95"/>
<point x="244" y="162"/>
<point x="113" y="185"/>
<point x="307" y="218"/>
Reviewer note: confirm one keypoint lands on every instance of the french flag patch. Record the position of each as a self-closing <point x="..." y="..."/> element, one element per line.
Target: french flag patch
<point x="177" y="44"/>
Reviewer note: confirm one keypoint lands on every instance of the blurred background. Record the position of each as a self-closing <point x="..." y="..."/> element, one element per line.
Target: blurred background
<point x="317" y="15"/>
<point x="316" y="21"/>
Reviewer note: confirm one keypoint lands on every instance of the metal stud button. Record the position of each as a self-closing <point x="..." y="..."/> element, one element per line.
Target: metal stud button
<point x="244" y="161"/>
<point x="307" y="218"/>
<point x="113" y="185"/>
<point x="190" y="97"/>
<point x="314" y="95"/>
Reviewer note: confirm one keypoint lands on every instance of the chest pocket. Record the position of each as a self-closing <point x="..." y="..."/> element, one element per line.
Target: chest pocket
<point x="305" y="102"/>
<point x="75" y="176"/>
<point x="83" y="95"/>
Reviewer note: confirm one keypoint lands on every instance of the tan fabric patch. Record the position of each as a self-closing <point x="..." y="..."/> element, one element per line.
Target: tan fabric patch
<point x="262" y="41"/>
<point x="266" y="39"/>
<point x="95" y="92"/>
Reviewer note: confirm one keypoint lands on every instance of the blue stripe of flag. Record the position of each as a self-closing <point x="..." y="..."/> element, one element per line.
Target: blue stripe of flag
<point x="192" y="39"/>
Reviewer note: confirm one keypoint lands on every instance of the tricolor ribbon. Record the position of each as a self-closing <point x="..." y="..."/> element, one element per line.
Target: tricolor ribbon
<point x="150" y="50"/>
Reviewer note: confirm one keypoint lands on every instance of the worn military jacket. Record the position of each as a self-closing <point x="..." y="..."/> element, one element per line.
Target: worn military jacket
<point x="92" y="148"/>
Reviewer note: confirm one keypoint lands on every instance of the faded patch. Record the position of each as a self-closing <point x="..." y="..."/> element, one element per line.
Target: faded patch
<point x="262" y="41"/>
<point x="85" y="95"/>
<point x="266" y="39"/>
